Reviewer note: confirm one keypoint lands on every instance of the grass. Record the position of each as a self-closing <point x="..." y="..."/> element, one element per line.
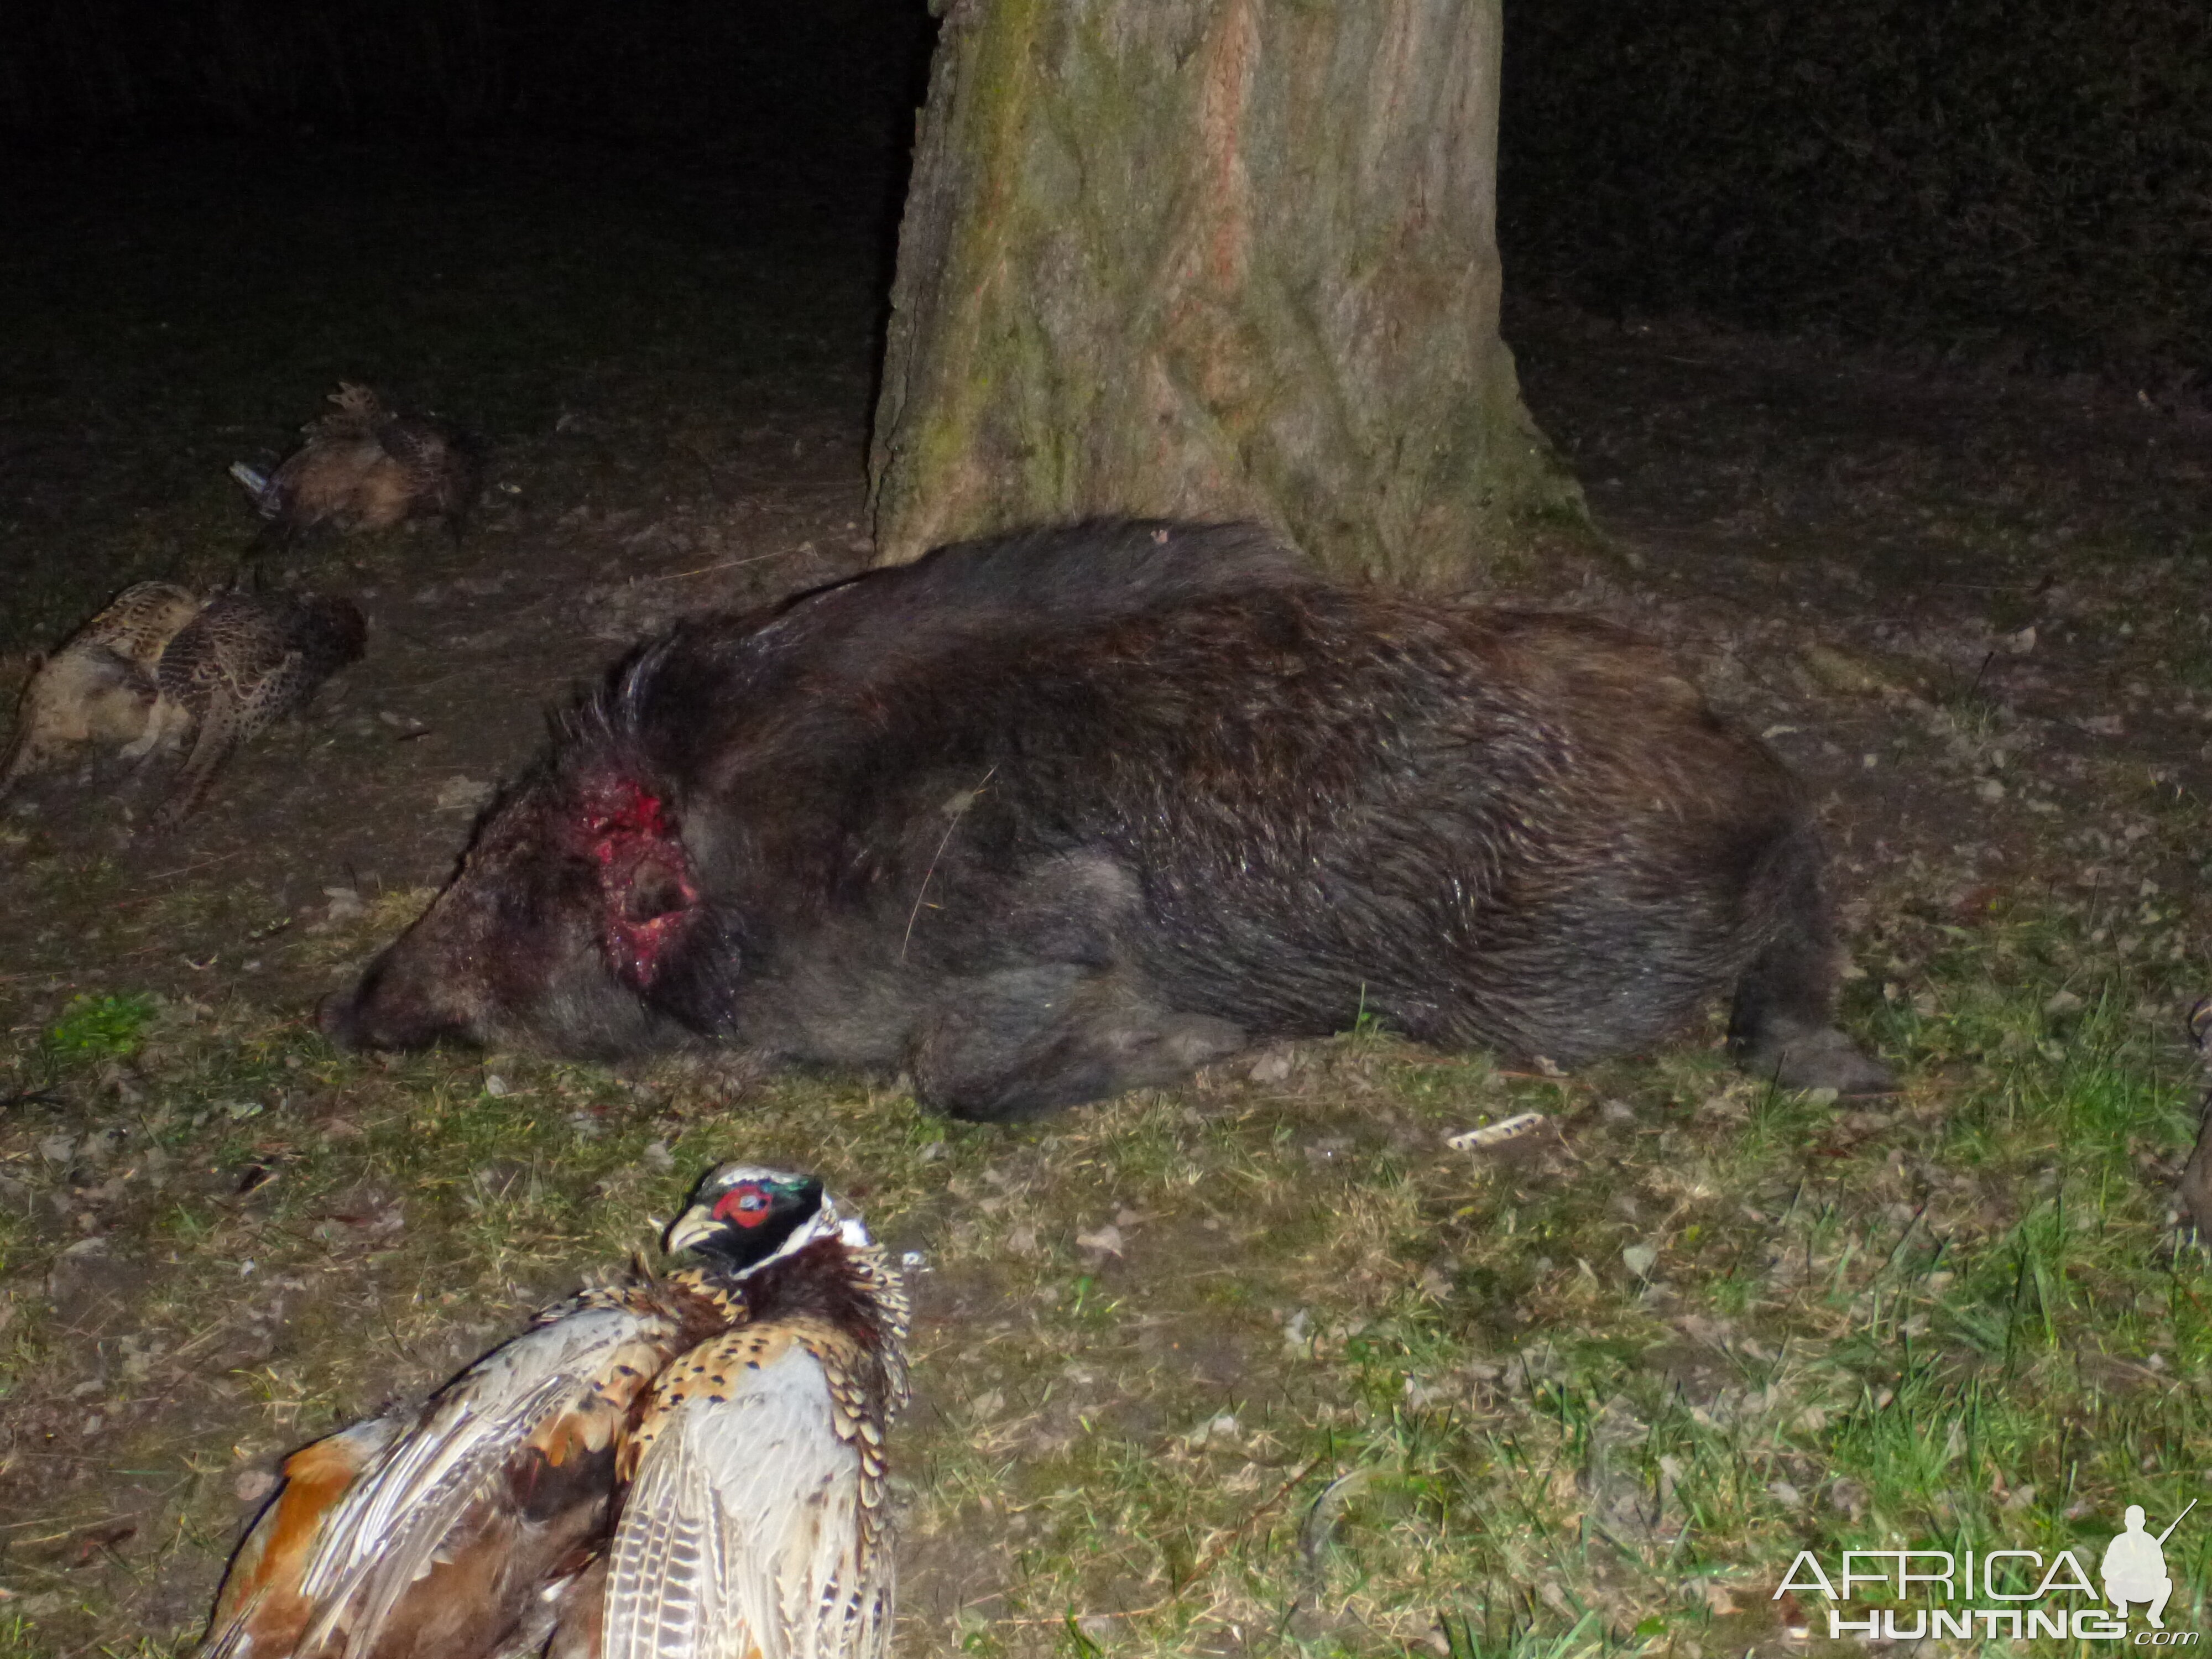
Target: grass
<point x="100" y="1026"/>
<point x="1239" y="1364"/>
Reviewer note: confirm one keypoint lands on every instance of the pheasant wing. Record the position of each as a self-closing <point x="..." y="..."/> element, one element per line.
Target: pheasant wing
<point x="261" y="1610"/>
<point x="745" y="1535"/>
<point x="554" y="1398"/>
<point x="416" y="444"/>
<point x="226" y="721"/>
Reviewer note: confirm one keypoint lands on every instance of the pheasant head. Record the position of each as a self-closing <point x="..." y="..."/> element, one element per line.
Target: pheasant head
<point x="742" y="1216"/>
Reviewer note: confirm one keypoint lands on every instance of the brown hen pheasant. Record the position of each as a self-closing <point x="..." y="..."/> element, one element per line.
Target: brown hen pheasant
<point x="243" y="663"/>
<point x="364" y="466"/>
<point x="682" y="1466"/>
<point x="100" y="686"/>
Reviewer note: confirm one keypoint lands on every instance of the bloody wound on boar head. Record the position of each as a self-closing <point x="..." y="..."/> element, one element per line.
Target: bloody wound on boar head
<point x="1040" y="819"/>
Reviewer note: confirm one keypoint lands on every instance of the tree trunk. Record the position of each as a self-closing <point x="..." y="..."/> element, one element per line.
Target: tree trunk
<point x="1211" y="259"/>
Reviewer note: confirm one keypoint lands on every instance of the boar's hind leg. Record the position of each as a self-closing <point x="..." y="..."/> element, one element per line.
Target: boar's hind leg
<point x="1783" y="1023"/>
<point x="1029" y="1040"/>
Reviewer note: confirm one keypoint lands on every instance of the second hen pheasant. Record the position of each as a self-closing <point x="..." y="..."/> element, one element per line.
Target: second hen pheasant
<point x="243" y="663"/>
<point x="367" y="466"/>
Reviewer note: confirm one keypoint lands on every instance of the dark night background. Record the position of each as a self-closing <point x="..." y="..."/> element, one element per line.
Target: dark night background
<point x="2003" y="180"/>
<point x="753" y="82"/>
<point x="2029" y="180"/>
<point x="663" y="224"/>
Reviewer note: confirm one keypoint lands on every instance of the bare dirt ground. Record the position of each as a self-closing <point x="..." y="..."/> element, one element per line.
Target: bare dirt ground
<point x="2024" y="559"/>
<point x="1973" y="611"/>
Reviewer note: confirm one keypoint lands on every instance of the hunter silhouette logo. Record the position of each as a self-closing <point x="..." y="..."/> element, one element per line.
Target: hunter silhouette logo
<point x="2135" y="1566"/>
<point x="2000" y="1594"/>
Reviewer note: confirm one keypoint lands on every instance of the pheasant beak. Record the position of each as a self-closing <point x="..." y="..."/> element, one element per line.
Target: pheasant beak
<point x="692" y="1227"/>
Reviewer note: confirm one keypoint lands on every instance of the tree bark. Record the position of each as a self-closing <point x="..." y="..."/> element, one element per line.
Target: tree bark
<point x="1211" y="259"/>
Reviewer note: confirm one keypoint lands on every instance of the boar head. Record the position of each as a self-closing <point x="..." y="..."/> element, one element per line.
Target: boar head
<point x="571" y="902"/>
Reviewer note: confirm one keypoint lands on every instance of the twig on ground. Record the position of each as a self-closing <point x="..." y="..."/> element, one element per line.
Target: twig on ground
<point x="726" y="564"/>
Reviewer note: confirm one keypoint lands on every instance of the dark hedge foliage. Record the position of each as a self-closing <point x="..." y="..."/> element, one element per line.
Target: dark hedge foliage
<point x="2028" y="179"/>
<point x="789" y="79"/>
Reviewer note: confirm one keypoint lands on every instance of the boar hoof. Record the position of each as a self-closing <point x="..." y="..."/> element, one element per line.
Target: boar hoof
<point x="1815" y="1057"/>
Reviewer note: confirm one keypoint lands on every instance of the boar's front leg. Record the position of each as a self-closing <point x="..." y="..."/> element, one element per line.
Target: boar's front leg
<point x="1029" y="1040"/>
<point x="1783" y="1023"/>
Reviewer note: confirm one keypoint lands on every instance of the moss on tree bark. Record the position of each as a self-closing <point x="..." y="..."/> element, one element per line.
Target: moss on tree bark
<point x="1211" y="258"/>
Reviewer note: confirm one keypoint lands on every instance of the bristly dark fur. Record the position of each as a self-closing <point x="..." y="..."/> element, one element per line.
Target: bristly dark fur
<point x="856" y="633"/>
<point x="1041" y="819"/>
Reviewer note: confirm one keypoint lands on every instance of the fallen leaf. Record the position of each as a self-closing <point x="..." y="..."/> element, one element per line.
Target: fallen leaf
<point x="91" y="1541"/>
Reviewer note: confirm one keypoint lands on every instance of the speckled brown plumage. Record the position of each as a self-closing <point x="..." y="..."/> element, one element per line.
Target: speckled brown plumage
<point x="243" y="662"/>
<point x="100" y="686"/>
<point x="366" y="467"/>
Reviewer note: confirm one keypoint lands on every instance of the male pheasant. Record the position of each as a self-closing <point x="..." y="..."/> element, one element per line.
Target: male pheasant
<point x="364" y="466"/>
<point x="754" y="1521"/>
<point x="689" y="1465"/>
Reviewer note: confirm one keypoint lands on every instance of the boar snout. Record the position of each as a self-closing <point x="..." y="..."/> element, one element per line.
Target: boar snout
<point x="571" y="903"/>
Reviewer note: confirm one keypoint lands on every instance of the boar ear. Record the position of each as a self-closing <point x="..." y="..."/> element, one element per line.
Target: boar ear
<point x="650" y="897"/>
<point x="656" y="887"/>
<point x="645" y="888"/>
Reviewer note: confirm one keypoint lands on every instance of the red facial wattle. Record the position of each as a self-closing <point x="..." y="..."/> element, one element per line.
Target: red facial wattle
<point x="746" y="1205"/>
<point x="629" y="835"/>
